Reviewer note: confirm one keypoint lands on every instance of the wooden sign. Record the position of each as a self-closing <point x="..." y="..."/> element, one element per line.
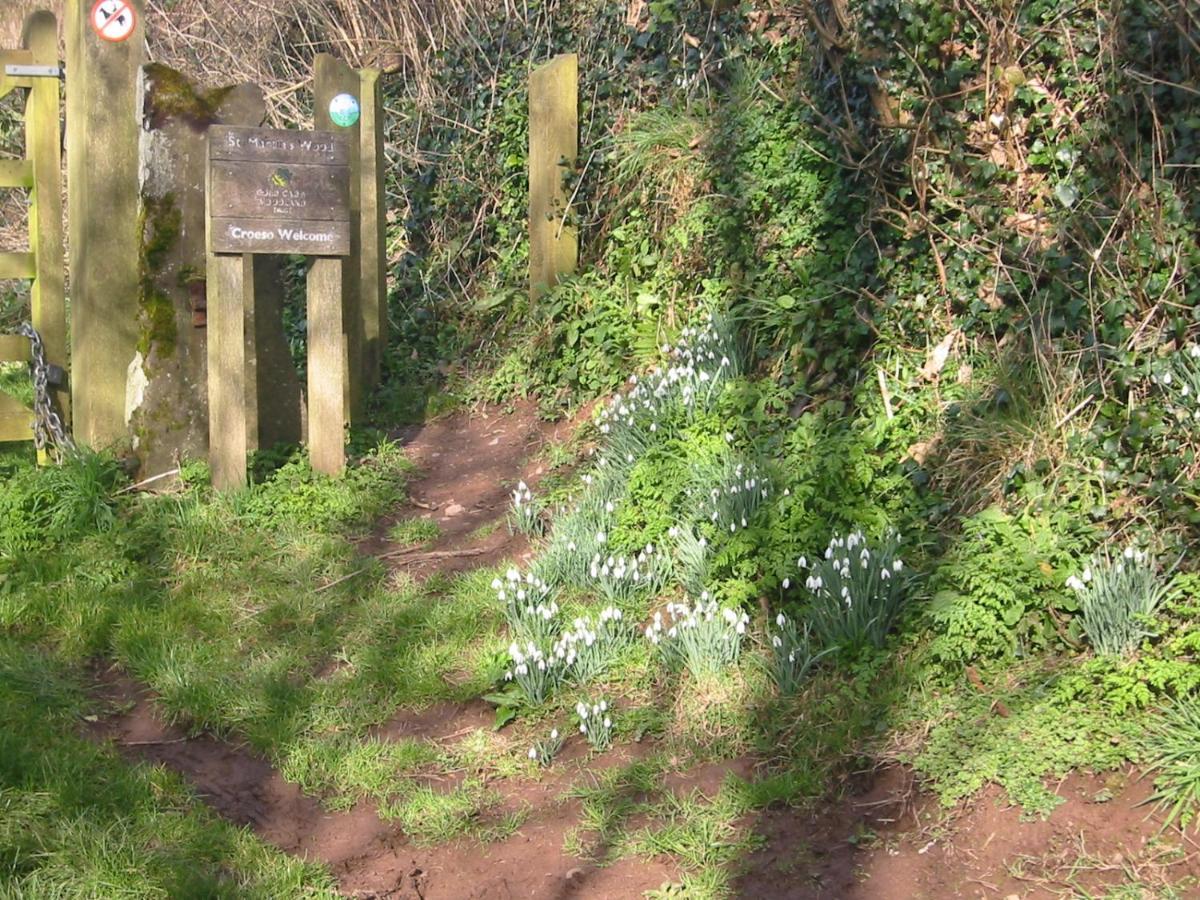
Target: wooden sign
<point x="273" y="191"/>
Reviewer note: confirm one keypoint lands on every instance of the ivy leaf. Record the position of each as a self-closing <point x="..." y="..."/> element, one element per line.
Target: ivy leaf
<point x="1067" y="194"/>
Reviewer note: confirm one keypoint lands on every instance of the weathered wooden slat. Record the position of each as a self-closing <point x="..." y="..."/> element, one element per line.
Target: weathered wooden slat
<point x="332" y="77"/>
<point x="17" y="265"/>
<point x="104" y="109"/>
<point x="228" y="439"/>
<point x="16" y="173"/>
<point x="372" y="234"/>
<point x="16" y="421"/>
<point x="43" y="148"/>
<point x="14" y="348"/>
<point x="231" y="142"/>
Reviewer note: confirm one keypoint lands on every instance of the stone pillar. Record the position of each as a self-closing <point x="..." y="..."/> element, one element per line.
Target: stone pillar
<point x="168" y="399"/>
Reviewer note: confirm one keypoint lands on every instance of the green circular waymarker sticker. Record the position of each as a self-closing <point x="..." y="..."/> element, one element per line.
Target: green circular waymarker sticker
<point x="343" y="110"/>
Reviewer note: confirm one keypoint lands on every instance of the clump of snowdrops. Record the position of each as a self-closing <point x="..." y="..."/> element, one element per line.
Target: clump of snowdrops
<point x="856" y="591"/>
<point x="1117" y="600"/>
<point x="595" y="724"/>
<point x="704" y="638"/>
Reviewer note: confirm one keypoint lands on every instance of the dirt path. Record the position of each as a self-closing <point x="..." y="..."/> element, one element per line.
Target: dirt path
<point x="468" y="465"/>
<point x="886" y="843"/>
<point x="369" y="857"/>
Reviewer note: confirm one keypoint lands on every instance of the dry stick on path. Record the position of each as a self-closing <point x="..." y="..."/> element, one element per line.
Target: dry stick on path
<point x="426" y="557"/>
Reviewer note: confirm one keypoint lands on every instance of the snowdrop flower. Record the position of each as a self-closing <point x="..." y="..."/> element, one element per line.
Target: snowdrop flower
<point x="554" y="734"/>
<point x="780" y="620"/>
<point x="533" y="754"/>
<point x="787" y="583"/>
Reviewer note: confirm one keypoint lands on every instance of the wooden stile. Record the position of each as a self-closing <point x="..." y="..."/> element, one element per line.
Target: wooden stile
<point x="40" y="173"/>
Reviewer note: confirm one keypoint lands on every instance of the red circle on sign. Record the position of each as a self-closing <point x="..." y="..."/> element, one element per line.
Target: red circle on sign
<point x="113" y="20"/>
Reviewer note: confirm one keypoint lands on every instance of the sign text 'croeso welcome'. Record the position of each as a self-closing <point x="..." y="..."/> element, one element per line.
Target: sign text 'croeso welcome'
<point x="278" y="191"/>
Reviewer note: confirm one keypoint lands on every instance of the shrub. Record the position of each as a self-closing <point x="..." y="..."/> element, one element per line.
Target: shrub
<point x="536" y="673"/>
<point x="856" y="593"/>
<point x="529" y="607"/>
<point x="525" y="517"/>
<point x="1117" y="600"/>
<point x="543" y="752"/>
<point x="619" y="579"/>
<point x="587" y="650"/>
<point x="692" y="558"/>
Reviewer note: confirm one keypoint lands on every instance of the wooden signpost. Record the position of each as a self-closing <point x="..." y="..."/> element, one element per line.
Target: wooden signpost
<point x="271" y="192"/>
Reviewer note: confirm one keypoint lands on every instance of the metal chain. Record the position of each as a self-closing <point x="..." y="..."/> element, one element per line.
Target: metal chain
<point x="49" y="433"/>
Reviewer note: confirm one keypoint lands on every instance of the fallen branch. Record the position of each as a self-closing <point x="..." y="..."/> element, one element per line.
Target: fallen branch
<point x="181" y="740"/>
<point x="150" y="480"/>
<point x="341" y="580"/>
<point x="426" y="557"/>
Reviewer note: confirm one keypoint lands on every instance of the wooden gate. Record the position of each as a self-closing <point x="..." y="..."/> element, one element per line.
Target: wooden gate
<point x="35" y="69"/>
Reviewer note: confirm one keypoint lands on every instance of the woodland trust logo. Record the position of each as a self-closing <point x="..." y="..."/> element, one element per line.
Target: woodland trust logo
<point x="282" y="195"/>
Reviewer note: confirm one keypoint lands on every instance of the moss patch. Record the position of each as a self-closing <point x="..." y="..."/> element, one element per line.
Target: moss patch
<point x="161" y="222"/>
<point x="170" y="95"/>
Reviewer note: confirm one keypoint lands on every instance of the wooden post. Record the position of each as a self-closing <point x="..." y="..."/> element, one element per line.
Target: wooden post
<point x="327" y="410"/>
<point x="553" y="147"/>
<point x="103" y="124"/>
<point x="333" y="77"/>
<point x="364" y="278"/>
<point x="232" y="398"/>
<point x="372" y="243"/>
<point x="43" y="149"/>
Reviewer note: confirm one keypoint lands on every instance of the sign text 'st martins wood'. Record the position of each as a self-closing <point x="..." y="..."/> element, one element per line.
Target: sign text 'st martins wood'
<point x="274" y="191"/>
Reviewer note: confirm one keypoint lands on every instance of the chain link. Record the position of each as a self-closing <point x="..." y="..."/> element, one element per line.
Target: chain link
<point x="49" y="433"/>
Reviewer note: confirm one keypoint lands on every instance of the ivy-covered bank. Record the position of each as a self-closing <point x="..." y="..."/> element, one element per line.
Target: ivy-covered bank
<point x="955" y="247"/>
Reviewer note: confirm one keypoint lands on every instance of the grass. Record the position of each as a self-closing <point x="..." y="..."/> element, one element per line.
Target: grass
<point x="414" y="532"/>
<point x="77" y="821"/>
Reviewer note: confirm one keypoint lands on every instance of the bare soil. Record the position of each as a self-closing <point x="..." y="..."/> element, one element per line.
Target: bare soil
<point x="894" y="843"/>
<point x="886" y="840"/>
<point x="468" y="465"/>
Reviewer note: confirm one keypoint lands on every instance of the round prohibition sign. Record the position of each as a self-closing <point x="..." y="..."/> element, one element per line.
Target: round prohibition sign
<point x="113" y="20"/>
